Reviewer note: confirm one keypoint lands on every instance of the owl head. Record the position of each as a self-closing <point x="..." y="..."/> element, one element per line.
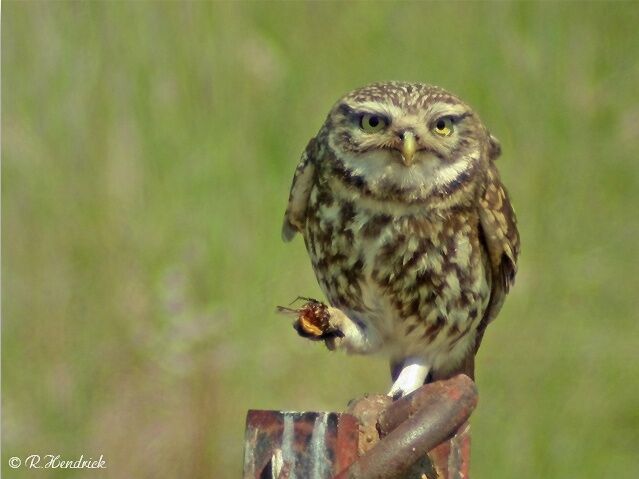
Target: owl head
<point x="407" y="140"/>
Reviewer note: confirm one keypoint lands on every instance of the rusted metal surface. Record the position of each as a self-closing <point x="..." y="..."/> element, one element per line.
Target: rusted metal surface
<point x="367" y="411"/>
<point x="448" y="400"/>
<point x="414" y="425"/>
<point x="305" y="445"/>
<point x="451" y="459"/>
<point x="376" y="439"/>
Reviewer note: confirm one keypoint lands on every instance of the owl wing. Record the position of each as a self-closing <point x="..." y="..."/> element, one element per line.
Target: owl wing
<point x="498" y="228"/>
<point x="303" y="181"/>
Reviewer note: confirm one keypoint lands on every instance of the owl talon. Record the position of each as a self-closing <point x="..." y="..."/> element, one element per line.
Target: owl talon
<point x="333" y="339"/>
<point x="397" y="395"/>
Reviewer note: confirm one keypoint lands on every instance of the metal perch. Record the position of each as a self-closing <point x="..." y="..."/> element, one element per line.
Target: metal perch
<point x="375" y="439"/>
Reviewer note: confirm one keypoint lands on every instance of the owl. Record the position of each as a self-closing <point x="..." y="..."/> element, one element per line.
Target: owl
<point x="409" y="229"/>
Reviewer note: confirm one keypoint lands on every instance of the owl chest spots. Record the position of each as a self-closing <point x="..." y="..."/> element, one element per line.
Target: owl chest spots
<point x="413" y="279"/>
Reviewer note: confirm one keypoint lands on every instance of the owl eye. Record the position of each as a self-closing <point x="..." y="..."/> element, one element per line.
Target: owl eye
<point x="372" y="123"/>
<point x="444" y="126"/>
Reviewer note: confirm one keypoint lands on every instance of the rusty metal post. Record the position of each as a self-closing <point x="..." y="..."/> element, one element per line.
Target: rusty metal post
<point x="451" y="459"/>
<point x="304" y="445"/>
<point x="379" y="439"/>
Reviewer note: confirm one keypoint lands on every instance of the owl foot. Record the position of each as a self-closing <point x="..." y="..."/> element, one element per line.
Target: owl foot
<point x="356" y="336"/>
<point x="412" y="376"/>
<point x="317" y="321"/>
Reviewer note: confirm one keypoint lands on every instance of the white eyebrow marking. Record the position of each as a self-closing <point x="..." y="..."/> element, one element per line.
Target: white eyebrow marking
<point x="387" y="109"/>
<point x="441" y="109"/>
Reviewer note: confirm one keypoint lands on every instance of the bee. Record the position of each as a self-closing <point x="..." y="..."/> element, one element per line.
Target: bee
<point x="312" y="319"/>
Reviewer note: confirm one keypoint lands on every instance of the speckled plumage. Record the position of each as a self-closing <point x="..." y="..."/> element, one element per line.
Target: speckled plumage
<point x="415" y="252"/>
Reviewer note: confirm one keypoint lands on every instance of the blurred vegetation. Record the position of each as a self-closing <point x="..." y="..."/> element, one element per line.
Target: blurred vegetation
<point x="147" y="154"/>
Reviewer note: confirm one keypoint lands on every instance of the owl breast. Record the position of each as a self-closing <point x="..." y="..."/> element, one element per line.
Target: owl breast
<point x="417" y="280"/>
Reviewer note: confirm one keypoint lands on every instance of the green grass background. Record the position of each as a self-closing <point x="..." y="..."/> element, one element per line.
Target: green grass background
<point x="147" y="154"/>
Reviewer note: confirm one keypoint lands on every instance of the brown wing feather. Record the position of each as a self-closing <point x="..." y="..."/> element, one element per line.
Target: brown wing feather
<point x="499" y="232"/>
<point x="303" y="181"/>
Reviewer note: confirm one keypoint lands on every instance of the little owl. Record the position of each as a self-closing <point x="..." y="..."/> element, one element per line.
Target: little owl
<point x="409" y="229"/>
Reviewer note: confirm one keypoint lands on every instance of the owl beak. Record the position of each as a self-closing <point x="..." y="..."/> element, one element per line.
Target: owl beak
<point x="409" y="146"/>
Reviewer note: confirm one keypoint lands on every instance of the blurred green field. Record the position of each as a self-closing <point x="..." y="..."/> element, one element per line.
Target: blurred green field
<point x="147" y="152"/>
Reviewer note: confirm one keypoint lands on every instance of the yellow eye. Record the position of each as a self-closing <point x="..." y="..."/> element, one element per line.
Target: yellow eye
<point x="372" y="123"/>
<point x="443" y="126"/>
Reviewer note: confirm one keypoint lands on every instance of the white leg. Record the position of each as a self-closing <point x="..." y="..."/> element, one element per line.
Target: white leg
<point x="411" y="377"/>
<point x="357" y="339"/>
